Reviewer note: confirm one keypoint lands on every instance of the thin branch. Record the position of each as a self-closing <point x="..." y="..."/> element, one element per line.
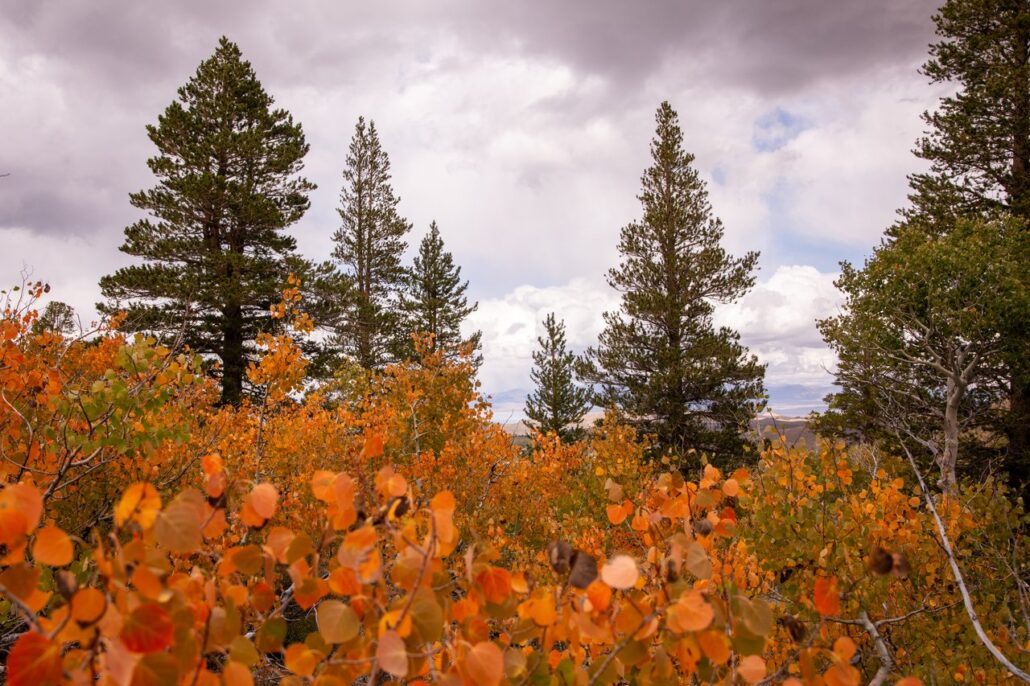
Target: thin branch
<point x="959" y="579"/>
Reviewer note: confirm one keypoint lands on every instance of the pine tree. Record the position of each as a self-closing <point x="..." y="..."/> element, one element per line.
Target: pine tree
<point x="557" y="405"/>
<point x="660" y="360"/>
<point x="58" y="317"/>
<point x="978" y="144"/>
<point x="433" y="301"/>
<point x="369" y="246"/>
<point x="214" y="250"/>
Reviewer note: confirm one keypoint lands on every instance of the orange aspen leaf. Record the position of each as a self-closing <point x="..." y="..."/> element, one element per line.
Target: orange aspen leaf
<point x="485" y="664"/>
<point x="147" y="629"/>
<point x="752" y="669"/>
<point x="34" y="660"/>
<point x="392" y="654"/>
<point x="827" y="596"/>
<point x="52" y="547"/>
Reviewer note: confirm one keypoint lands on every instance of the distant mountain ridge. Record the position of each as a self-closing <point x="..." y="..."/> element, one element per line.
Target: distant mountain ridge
<point x="795" y="429"/>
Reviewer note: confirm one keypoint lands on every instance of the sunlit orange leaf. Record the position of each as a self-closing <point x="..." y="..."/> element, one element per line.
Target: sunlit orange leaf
<point x="344" y="581"/>
<point x="540" y="608"/>
<point x="52" y="547"/>
<point x="139" y="503"/>
<point x="715" y="646"/>
<point x="264" y="499"/>
<point x="844" y="648"/>
<point x="910" y="681"/>
<point x="751" y="669"/>
<point x="616" y="514"/>
<point x="323" y="486"/>
<point x="236" y="674"/>
<point x="690" y="613"/>
<point x="827" y="597"/>
<point x="392" y="654"/>
<point x="211" y="464"/>
<point x="146" y="582"/>
<point x="34" y="660"/>
<point x="463" y="609"/>
<point x="13" y="526"/>
<point x="148" y="628"/>
<point x="301" y="660"/>
<point x="485" y="664"/>
<point x="156" y="669"/>
<point x="620" y="572"/>
<point x="496" y="584"/>
<point x="396" y="486"/>
<point x="88" y="606"/>
<point x="600" y="595"/>
<point x="373" y="448"/>
<point x="25" y="498"/>
<point x="262" y="597"/>
<point x="842" y="675"/>
<point x="731" y="488"/>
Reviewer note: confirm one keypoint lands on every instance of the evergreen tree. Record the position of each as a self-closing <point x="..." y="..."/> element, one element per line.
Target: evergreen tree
<point x="660" y="359"/>
<point x="433" y="301"/>
<point x="214" y="250"/>
<point x="58" y="317"/>
<point x="557" y="405"/>
<point x="369" y="246"/>
<point x="978" y="144"/>
<point x="921" y="339"/>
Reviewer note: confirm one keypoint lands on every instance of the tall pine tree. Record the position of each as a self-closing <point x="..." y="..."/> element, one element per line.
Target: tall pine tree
<point x="978" y="146"/>
<point x="433" y="300"/>
<point x="557" y="405"/>
<point x="978" y="141"/>
<point x="214" y="250"/>
<point x="369" y="246"/>
<point x="660" y="359"/>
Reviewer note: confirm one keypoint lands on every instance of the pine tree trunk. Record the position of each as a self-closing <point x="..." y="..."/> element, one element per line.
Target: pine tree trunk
<point x="1018" y="460"/>
<point x="233" y="357"/>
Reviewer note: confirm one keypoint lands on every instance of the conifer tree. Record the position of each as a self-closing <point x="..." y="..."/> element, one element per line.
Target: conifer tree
<point x="660" y="359"/>
<point x="214" y="250"/>
<point x="978" y="141"/>
<point x="556" y="405"/>
<point x="433" y="301"/>
<point x="369" y="246"/>
<point x="978" y="146"/>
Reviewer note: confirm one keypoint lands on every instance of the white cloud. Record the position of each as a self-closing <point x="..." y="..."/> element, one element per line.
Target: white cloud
<point x="776" y="320"/>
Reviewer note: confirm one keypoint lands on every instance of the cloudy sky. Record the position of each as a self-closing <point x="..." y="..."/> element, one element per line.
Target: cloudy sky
<point x="521" y="127"/>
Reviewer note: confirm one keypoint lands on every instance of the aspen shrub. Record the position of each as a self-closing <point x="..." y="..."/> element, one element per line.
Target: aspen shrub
<point x="389" y="531"/>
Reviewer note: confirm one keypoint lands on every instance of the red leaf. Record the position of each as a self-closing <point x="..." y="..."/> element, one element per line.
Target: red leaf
<point x="147" y="629"/>
<point x="34" y="660"/>
<point x="827" y="597"/>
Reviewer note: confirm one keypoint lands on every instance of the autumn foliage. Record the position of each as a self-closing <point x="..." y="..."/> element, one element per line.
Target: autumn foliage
<point x="384" y="528"/>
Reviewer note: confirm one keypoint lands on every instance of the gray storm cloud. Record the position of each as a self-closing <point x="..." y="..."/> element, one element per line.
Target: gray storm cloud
<point x="522" y="127"/>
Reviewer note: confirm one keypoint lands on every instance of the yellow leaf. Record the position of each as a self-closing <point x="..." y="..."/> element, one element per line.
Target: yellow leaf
<point x="139" y="503"/>
<point x="337" y="622"/>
